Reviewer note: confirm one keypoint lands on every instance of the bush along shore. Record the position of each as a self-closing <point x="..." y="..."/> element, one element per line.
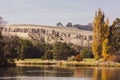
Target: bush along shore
<point x="85" y="63"/>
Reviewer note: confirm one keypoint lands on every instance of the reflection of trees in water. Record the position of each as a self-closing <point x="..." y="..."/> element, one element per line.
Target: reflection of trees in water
<point x="47" y="71"/>
<point x="3" y="72"/>
<point x="96" y="74"/>
<point x="57" y="72"/>
<point x="9" y="72"/>
<point x="84" y="72"/>
<point x="44" y="71"/>
<point x="106" y="74"/>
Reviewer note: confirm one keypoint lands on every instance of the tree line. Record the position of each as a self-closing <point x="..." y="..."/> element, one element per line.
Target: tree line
<point x="14" y="48"/>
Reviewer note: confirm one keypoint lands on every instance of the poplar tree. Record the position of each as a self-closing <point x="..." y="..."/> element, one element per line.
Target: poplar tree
<point x="100" y="28"/>
<point x="105" y="43"/>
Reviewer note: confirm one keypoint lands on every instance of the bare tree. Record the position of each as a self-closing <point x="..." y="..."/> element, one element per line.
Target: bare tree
<point x="2" y="22"/>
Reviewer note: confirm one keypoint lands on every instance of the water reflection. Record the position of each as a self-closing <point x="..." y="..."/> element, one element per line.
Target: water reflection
<point x="106" y="74"/>
<point x="83" y="73"/>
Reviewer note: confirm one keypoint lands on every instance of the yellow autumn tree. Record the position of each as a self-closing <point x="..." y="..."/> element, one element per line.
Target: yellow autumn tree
<point x="105" y="43"/>
<point x="100" y="32"/>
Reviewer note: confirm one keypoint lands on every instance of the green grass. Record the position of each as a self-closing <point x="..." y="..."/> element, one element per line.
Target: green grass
<point x="38" y="59"/>
<point x="85" y="62"/>
<point x="34" y="62"/>
<point x="89" y="59"/>
<point x="32" y="59"/>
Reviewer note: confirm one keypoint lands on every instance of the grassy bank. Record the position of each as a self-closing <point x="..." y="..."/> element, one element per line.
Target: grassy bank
<point x="34" y="62"/>
<point x="85" y="62"/>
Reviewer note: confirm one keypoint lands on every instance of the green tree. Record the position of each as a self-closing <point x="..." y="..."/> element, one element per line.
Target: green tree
<point x="114" y="36"/>
<point x="111" y="46"/>
<point x="61" y="51"/>
<point x="49" y="55"/>
<point x="11" y="47"/>
<point x="8" y="50"/>
<point x="24" y="46"/>
<point x="3" y="59"/>
<point x="86" y="53"/>
<point x="44" y="48"/>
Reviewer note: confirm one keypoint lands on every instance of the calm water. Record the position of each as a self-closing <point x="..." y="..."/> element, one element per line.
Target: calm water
<point x="59" y="73"/>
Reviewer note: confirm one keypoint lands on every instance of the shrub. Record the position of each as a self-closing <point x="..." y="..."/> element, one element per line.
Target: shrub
<point x="49" y="55"/>
<point x="43" y="57"/>
<point x="114" y="58"/>
<point x="86" y="53"/>
<point x="78" y="58"/>
<point x="61" y="51"/>
<point x="72" y="58"/>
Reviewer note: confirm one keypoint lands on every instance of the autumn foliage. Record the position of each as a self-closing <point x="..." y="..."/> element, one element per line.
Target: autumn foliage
<point x="106" y="39"/>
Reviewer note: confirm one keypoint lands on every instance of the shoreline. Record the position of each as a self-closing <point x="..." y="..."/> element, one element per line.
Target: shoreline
<point x="66" y="63"/>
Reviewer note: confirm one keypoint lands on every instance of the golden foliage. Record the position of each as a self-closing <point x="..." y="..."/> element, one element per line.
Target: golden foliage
<point x="100" y="33"/>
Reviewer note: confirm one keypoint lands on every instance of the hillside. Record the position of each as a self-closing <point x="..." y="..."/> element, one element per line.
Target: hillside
<point x="63" y="34"/>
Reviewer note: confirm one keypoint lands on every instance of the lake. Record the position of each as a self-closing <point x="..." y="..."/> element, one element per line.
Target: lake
<point x="60" y="73"/>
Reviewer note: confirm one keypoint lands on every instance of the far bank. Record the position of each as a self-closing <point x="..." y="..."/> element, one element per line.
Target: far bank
<point x="85" y="63"/>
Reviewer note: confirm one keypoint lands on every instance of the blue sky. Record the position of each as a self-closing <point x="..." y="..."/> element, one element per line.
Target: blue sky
<point x="49" y="12"/>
